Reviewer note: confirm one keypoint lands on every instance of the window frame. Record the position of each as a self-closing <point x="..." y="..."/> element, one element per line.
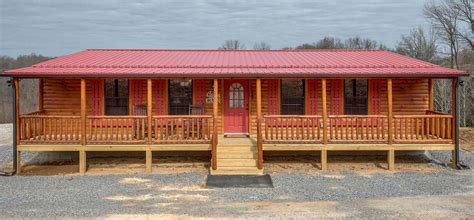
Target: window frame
<point x="117" y="98"/>
<point x="354" y="109"/>
<point x="171" y="108"/>
<point x="284" y="106"/>
<point x="239" y="100"/>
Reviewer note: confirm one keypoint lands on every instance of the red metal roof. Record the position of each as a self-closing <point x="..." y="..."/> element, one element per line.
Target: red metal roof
<point x="235" y="63"/>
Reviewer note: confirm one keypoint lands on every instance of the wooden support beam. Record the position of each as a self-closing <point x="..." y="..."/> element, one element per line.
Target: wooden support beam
<point x="325" y="111"/>
<point x="17" y="109"/>
<point x="390" y="109"/>
<point x="83" y="112"/>
<point x="431" y="94"/>
<point x="82" y="162"/>
<point x="215" y="108"/>
<point x="18" y="162"/>
<point x="453" y="128"/>
<point x="149" y="110"/>
<point x="148" y="161"/>
<point x="324" y="159"/>
<point x="391" y="159"/>
<point x="259" y="124"/>
<point x="17" y="123"/>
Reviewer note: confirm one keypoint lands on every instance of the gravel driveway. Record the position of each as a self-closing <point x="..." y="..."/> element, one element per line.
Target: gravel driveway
<point x="446" y="193"/>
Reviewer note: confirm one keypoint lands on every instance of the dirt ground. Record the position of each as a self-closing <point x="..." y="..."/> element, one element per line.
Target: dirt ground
<point x="364" y="165"/>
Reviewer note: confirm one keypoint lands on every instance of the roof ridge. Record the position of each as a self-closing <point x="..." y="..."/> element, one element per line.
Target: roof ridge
<point x="251" y="50"/>
<point x="231" y="67"/>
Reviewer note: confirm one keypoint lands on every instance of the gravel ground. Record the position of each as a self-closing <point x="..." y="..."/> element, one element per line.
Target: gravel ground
<point x="446" y="193"/>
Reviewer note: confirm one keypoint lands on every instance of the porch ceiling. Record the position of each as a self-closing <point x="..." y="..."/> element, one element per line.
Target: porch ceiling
<point x="235" y="63"/>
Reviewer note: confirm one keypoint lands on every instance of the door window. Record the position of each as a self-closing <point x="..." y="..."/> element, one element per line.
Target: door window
<point x="236" y="95"/>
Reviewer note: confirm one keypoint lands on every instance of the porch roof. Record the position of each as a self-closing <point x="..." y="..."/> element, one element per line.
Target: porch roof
<point x="234" y="63"/>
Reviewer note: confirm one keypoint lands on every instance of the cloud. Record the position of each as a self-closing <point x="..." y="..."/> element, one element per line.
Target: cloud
<point x="60" y="27"/>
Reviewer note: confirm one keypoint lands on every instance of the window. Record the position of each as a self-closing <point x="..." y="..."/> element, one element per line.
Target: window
<point x="355" y="97"/>
<point x="180" y="96"/>
<point x="116" y="97"/>
<point x="292" y="97"/>
<point x="236" y="96"/>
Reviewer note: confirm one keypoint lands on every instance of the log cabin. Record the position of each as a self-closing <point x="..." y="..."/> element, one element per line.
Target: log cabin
<point x="234" y="104"/>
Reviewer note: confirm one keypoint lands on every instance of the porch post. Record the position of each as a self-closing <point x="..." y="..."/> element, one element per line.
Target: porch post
<point x="455" y="122"/>
<point x="325" y="111"/>
<point x="215" y="106"/>
<point x="149" y="155"/>
<point x="391" y="153"/>
<point x="16" y="153"/>
<point x="82" y="153"/>
<point x="324" y="152"/>
<point x="259" y="124"/>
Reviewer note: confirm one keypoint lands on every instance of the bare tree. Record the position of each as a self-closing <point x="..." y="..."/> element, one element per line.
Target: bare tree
<point x="466" y="62"/>
<point x="444" y="19"/>
<point x="443" y="93"/>
<point x="329" y="43"/>
<point x="418" y="45"/>
<point x="306" y="46"/>
<point x="232" y="45"/>
<point x="350" y="43"/>
<point x="464" y="8"/>
<point x="360" y="43"/>
<point x="261" y="46"/>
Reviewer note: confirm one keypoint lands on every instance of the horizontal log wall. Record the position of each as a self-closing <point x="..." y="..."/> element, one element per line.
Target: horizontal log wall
<point x="62" y="96"/>
<point x="410" y="97"/>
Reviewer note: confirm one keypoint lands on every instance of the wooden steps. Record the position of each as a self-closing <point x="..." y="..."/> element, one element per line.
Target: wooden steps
<point x="236" y="156"/>
<point x="237" y="171"/>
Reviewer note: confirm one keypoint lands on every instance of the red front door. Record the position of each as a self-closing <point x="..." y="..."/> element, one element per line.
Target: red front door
<point x="236" y="104"/>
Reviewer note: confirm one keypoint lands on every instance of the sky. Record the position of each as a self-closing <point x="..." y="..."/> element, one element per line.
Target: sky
<point x="59" y="27"/>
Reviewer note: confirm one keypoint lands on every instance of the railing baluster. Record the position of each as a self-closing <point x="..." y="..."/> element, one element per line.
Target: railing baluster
<point x="438" y="130"/>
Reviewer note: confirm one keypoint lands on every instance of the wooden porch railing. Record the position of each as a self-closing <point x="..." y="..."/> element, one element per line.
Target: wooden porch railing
<point x="182" y="129"/>
<point x="38" y="128"/>
<point x="116" y="129"/>
<point x="292" y="129"/>
<point x="287" y="129"/>
<point x="48" y="129"/>
<point x="358" y="128"/>
<point x="433" y="128"/>
<point x="430" y="112"/>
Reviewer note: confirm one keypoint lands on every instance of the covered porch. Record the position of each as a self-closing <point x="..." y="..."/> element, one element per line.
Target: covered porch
<point x="151" y="132"/>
